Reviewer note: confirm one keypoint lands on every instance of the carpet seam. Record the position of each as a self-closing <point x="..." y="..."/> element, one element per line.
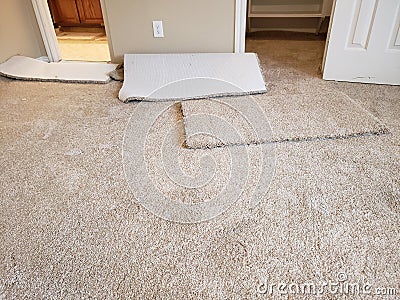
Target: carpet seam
<point x="382" y="132"/>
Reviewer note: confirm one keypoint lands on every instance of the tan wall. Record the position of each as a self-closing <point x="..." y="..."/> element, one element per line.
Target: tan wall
<point x="19" y="32"/>
<point x="189" y="26"/>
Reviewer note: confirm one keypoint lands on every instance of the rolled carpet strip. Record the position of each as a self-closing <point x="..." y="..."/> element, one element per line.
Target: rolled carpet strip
<point x="163" y="77"/>
<point x="26" y="68"/>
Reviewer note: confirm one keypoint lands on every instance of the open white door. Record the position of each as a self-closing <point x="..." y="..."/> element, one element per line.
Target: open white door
<point x="364" y="42"/>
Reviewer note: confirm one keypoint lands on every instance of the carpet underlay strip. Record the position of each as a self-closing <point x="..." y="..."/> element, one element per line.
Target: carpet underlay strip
<point x="164" y="77"/>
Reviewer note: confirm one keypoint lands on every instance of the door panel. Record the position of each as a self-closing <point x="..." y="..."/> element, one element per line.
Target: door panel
<point x="64" y="11"/>
<point x="363" y="19"/>
<point x="90" y="11"/>
<point x="363" y="42"/>
<point x="395" y="36"/>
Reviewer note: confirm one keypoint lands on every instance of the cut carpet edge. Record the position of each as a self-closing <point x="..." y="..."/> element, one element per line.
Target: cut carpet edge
<point x="29" y="69"/>
<point x="208" y="96"/>
<point x="378" y="132"/>
<point x="55" y="80"/>
<point x="379" y="128"/>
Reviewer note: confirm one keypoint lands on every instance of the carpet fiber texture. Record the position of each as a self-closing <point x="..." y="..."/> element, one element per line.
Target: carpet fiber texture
<point x="286" y="117"/>
<point x="72" y="227"/>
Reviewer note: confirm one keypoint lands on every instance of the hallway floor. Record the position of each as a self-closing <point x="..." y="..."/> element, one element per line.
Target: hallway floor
<point x="83" y="46"/>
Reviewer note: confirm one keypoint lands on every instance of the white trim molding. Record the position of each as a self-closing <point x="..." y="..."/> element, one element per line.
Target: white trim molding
<point x="240" y="25"/>
<point x="45" y="23"/>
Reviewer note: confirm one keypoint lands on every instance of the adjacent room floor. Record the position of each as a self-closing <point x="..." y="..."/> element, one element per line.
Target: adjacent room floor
<point x="71" y="228"/>
<point x="83" y="44"/>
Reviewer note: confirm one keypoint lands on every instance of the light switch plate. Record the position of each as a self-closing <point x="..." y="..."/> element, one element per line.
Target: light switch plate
<point x="158" y="30"/>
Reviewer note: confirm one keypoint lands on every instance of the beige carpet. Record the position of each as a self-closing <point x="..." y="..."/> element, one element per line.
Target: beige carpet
<point x="70" y="226"/>
<point x="320" y="114"/>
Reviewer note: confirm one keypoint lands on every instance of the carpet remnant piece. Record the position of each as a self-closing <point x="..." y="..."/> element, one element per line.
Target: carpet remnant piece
<point x="264" y="119"/>
<point x="118" y="73"/>
<point x="160" y="77"/>
<point x="26" y="68"/>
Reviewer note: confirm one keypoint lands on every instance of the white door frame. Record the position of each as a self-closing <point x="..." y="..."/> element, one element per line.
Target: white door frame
<point x="46" y="27"/>
<point x="49" y="37"/>
<point x="240" y="25"/>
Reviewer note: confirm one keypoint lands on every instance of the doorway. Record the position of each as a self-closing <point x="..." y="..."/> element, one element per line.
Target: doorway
<point x="80" y="31"/>
<point x="290" y="20"/>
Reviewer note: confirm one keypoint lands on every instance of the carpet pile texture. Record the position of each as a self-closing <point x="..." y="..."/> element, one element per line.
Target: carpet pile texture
<point x="279" y="118"/>
<point x="71" y="226"/>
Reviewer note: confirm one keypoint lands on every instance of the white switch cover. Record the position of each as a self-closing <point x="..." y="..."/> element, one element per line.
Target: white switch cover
<point x="158" y="29"/>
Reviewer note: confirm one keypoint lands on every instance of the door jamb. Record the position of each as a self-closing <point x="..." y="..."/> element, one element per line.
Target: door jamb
<point x="240" y="25"/>
<point x="327" y="38"/>
<point x="45" y="23"/>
